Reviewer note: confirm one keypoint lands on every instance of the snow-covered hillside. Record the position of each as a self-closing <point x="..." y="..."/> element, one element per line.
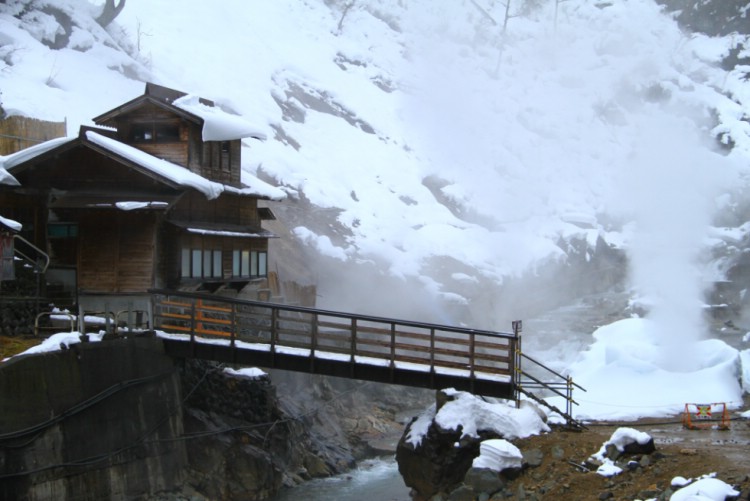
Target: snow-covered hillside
<point x="430" y="151"/>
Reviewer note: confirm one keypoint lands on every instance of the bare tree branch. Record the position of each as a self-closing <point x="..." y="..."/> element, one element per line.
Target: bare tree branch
<point x="109" y="12"/>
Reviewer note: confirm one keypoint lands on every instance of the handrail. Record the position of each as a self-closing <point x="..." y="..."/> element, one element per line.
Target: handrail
<point x="523" y="355"/>
<point x="472" y="354"/>
<point x="305" y="309"/>
<point x="37" y="327"/>
<point x="29" y="258"/>
<point x="563" y="383"/>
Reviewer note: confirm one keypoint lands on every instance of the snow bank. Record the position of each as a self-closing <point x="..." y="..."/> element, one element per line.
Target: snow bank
<point x="705" y="489"/>
<point x="56" y="342"/>
<point x="473" y="414"/>
<point x="621" y="438"/>
<point x="497" y="455"/>
<point x="624" y="379"/>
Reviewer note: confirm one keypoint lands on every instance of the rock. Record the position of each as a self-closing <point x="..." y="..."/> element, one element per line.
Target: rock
<point x="606" y="495"/>
<point x="440" y="461"/>
<point x="558" y="452"/>
<point x="645" y="461"/>
<point x="613" y="452"/>
<point x="637" y="448"/>
<point x="484" y="480"/>
<point x="462" y="493"/>
<point x="316" y="467"/>
<point x="533" y="457"/>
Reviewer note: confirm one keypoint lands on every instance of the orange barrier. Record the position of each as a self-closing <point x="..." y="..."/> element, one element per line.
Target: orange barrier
<point x="706" y="416"/>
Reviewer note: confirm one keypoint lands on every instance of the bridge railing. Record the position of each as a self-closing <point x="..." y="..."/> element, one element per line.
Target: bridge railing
<point x="337" y="336"/>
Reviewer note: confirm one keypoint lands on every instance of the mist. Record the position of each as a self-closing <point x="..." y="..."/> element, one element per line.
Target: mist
<point x="670" y="190"/>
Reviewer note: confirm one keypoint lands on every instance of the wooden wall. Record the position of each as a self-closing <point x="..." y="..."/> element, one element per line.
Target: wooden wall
<point x="18" y="133"/>
<point x="116" y="251"/>
<point x="228" y="209"/>
<point x="177" y="151"/>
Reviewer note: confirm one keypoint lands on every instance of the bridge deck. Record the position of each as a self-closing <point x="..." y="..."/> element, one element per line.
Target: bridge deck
<point x="336" y="344"/>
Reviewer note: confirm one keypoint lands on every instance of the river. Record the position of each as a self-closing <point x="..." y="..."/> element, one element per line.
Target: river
<point x="374" y="480"/>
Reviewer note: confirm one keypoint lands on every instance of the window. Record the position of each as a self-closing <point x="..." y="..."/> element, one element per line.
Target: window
<point x="62" y="230"/>
<point x="155" y="133"/>
<point x="201" y="263"/>
<point x="247" y="263"/>
<point x="222" y="155"/>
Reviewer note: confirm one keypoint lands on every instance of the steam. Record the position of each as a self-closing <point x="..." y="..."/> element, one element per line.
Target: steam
<point x="669" y="189"/>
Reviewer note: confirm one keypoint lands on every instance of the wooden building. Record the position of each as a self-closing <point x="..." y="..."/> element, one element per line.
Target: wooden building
<point x="151" y="198"/>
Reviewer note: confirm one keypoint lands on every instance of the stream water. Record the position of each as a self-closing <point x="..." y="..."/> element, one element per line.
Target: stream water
<point x="373" y="480"/>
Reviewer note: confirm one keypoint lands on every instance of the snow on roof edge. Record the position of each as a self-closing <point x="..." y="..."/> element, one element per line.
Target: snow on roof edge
<point x="173" y="172"/>
<point x="218" y="125"/>
<point x="14" y="159"/>
<point x="13" y="225"/>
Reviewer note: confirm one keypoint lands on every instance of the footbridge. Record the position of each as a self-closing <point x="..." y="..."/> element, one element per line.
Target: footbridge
<point x="369" y="348"/>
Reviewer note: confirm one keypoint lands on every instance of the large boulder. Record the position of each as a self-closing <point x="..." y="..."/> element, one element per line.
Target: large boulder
<point x="440" y="460"/>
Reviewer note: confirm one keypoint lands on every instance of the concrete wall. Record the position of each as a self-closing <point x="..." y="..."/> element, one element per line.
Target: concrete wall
<point x="96" y="421"/>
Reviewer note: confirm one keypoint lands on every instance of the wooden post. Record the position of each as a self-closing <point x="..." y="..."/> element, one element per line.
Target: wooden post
<point x="432" y="357"/>
<point x="472" y="337"/>
<point x="192" y="328"/>
<point x="313" y="342"/>
<point x="233" y="319"/>
<point x="393" y="344"/>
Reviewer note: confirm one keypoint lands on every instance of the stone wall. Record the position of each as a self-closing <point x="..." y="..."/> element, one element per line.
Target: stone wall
<point x="17" y="317"/>
<point x="97" y="418"/>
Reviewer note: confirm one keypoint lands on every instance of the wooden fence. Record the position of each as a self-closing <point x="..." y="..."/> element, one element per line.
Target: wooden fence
<point x="18" y="133"/>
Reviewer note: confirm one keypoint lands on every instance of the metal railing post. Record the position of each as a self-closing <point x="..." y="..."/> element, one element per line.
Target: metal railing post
<point x="353" y="340"/>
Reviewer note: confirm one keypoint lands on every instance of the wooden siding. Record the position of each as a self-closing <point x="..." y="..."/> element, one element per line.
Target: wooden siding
<point x="177" y="153"/>
<point x="116" y="252"/>
<point x="227" y="209"/>
<point x="219" y="165"/>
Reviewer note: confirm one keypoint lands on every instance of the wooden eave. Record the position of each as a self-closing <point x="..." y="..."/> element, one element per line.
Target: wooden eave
<point x="105" y="119"/>
<point x="249" y="231"/>
<point x="28" y="164"/>
<point x="76" y="200"/>
<point x="81" y="141"/>
<point x="131" y="164"/>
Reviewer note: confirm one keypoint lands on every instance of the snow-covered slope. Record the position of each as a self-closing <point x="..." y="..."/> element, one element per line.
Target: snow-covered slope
<point x="433" y="144"/>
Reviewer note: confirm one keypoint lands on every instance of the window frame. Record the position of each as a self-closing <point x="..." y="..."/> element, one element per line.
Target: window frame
<point x="154" y="133"/>
<point x="249" y="263"/>
<point x="201" y="263"/>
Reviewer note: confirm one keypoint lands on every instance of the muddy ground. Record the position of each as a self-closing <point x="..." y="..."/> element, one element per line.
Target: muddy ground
<point x="679" y="452"/>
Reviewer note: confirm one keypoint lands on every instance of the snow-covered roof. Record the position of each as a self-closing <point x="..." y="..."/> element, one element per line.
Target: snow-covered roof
<point x="173" y="172"/>
<point x="6" y="177"/>
<point x="180" y="175"/>
<point x="9" y="223"/>
<point x="218" y="125"/>
<point x="10" y="161"/>
<point x="177" y="174"/>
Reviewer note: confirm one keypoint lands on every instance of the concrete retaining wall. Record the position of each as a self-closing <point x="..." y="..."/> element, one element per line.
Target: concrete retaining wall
<point x="98" y="418"/>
